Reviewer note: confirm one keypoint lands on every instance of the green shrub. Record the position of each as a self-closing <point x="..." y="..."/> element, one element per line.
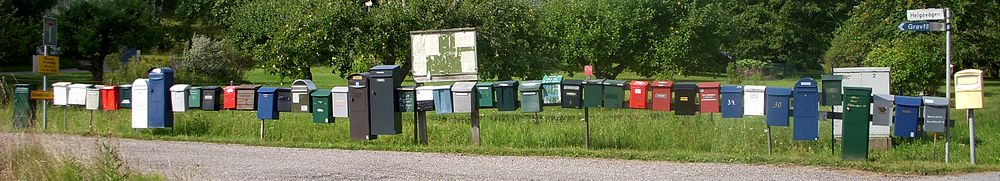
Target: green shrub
<point x="136" y="68"/>
<point x="917" y="64"/>
<point x="745" y="69"/>
<point x="209" y="61"/>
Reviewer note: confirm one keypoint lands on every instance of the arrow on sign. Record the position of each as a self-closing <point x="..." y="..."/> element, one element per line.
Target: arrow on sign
<point x="921" y="26"/>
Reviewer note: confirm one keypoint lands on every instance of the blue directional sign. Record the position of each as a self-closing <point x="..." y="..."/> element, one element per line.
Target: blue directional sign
<point x="921" y="26"/>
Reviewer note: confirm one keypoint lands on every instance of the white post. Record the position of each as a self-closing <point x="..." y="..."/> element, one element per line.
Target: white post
<point x="947" y="75"/>
<point x="45" y="87"/>
<point x="972" y="138"/>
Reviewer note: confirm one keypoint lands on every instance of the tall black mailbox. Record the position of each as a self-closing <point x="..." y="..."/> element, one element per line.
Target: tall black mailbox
<point x="384" y="79"/>
<point x="358" y="107"/>
<point x="284" y="99"/>
<point x="572" y="96"/>
<point x="685" y="98"/>
<point x="211" y="98"/>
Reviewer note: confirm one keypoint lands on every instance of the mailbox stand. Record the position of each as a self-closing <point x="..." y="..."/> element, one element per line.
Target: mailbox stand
<point x="832" y="97"/>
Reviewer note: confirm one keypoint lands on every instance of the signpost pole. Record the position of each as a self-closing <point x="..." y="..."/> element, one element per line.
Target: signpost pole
<point x="972" y="137"/>
<point x="947" y="77"/>
<point x="262" y="129"/>
<point x="586" y="120"/>
<point x="769" y="146"/>
<point x="45" y="87"/>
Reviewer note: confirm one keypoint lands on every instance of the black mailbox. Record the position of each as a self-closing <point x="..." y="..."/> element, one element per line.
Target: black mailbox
<point x="571" y="94"/>
<point x="685" y="98"/>
<point x="358" y="107"/>
<point x="284" y="99"/>
<point x="384" y="79"/>
<point x="211" y="98"/>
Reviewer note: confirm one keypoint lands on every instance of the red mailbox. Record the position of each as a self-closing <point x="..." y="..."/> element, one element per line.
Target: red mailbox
<point x="109" y="98"/>
<point x="229" y="97"/>
<point x="709" y="96"/>
<point x="638" y="94"/>
<point x="661" y="95"/>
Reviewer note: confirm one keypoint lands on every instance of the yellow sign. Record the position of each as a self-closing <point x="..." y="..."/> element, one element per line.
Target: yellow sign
<point x="37" y="94"/>
<point x="969" y="89"/>
<point x="47" y="65"/>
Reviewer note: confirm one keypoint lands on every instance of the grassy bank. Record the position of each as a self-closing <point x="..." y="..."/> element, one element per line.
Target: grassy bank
<point x="29" y="160"/>
<point x="615" y="133"/>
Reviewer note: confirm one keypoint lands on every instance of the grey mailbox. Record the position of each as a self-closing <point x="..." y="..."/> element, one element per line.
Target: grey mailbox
<point x="93" y="98"/>
<point x="463" y="97"/>
<point x="882" y="112"/>
<point x="301" y="91"/>
<point x="935" y="114"/>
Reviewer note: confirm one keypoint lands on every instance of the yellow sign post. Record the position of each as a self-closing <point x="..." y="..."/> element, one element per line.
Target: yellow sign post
<point x="47" y="65"/>
<point x="41" y="95"/>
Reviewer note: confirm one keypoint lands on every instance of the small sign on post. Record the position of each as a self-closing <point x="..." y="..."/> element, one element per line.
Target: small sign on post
<point x="41" y="95"/>
<point x="46" y="64"/>
<point x="925" y="14"/>
<point x="49" y="32"/>
<point x="588" y="70"/>
<point x="921" y="26"/>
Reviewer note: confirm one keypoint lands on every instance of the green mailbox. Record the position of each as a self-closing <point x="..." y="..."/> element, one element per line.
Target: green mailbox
<point x="485" y="91"/>
<point x="194" y="97"/>
<point x="322" y="106"/>
<point x="593" y="93"/>
<point x="531" y="96"/>
<point x="506" y="94"/>
<point x="857" y="108"/>
<point x="831" y="90"/>
<point x="23" y="105"/>
<point x="614" y="93"/>
<point x="407" y="98"/>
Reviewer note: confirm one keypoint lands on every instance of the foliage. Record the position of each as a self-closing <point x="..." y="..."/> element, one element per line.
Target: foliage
<point x="20" y="25"/>
<point x="210" y="61"/>
<point x="870" y="25"/>
<point x="91" y="30"/>
<point x="975" y="40"/>
<point x="124" y="72"/>
<point x="29" y="160"/>
<point x="916" y="64"/>
<point x="746" y="68"/>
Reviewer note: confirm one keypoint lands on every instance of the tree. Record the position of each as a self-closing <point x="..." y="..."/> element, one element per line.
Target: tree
<point x="20" y="25"/>
<point x="91" y="30"/>
<point x="916" y="62"/>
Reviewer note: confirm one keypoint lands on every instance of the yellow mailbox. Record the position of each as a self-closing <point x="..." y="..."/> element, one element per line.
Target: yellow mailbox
<point x="969" y="89"/>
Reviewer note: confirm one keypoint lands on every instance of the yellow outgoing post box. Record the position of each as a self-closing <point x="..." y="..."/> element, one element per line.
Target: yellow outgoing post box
<point x="969" y="89"/>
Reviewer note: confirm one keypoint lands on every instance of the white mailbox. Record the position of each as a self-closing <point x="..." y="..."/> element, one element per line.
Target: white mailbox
<point x="340" y="101"/>
<point x="179" y="97"/>
<point x="878" y="78"/>
<point x="78" y="94"/>
<point x="753" y="100"/>
<point x="969" y="89"/>
<point x="93" y="98"/>
<point x="140" y="103"/>
<point x="60" y="93"/>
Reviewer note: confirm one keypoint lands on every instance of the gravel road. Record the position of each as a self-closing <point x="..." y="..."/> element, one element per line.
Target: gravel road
<point x="211" y="161"/>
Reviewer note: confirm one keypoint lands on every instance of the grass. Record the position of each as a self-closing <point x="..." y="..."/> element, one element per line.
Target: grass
<point x="615" y="133"/>
<point x="29" y="160"/>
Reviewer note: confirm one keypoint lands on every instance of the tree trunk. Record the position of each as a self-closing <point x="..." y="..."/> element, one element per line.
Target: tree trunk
<point x="307" y="74"/>
<point x="97" y="68"/>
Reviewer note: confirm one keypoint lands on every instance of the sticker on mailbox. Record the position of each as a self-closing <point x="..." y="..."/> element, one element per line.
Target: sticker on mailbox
<point x="684" y="98"/>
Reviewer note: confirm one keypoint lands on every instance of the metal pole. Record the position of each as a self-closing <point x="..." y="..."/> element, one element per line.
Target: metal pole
<point x="45" y="87"/>
<point x="769" y="146"/>
<point x="947" y="141"/>
<point x="91" y="121"/>
<point x="833" y="140"/>
<point x="261" y="129"/>
<point x="586" y="120"/>
<point x="475" y="120"/>
<point x="947" y="76"/>
<point x="972" y="137"/>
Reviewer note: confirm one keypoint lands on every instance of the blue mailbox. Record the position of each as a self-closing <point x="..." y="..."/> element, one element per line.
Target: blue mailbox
<point x="160" y="113"/>
<point x="442" y="99"/>
<point x="732" y="101"/>
<point x="776" y="106"/>
<point x="907" y="116"/>
<point x="267" y="103"/>
<point x="806" y="108"/>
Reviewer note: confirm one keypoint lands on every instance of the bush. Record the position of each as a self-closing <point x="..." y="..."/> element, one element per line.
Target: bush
<point x="208" y="61"/>
<point x="746" y="68"/>
<point x="916" y="63"/>
<point x="135" y="68"/>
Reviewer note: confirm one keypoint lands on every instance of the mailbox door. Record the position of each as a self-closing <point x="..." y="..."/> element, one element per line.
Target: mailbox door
<point x="341" y="105"/>
<point x="209" y="99"/>
<point x="125" y="97"/>
<point x="753" y="97"/>
<point x="506" y="94"/>
<point x="388" y="121"/>
<point x="935" y="114"/>
<point x="140" y="104"/>
<point x="109" y="98"/>
<point x="485" y="92"/>
<point x="906" y="116"/>
<point x="442" y="100"/>
<point x="661" y="98"/>
<point x="359" y="112"/>
<point x="857" y="106"/>
<point x="245" y="99"/>
<point x="593" y="93"/>
<point x="571" y="97"/>
<point x="882" y="112"/>
<point x="284" y="100"/>
<point x="613" y="94"/>
<point x="462" y="102"/>
<point x="179" y="101"/>
<point x="194" y="98"/>
<point x="685" y="99"/>
<point x="267" y="104"/>
<point x="638" y="95"/>
<point x="321" y="106"/>
<point x="732" y="102"/>
<point x="709" y="97"/>
<point x="531" y="101"/>
<point x="806" y="114"/>
<point x="832" y="95"/>
<point x="93" y="99"/>
<point x="777" y="106"/>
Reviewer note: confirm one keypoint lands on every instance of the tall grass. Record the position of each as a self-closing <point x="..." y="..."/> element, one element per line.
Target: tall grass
<point x="29" y="160"/>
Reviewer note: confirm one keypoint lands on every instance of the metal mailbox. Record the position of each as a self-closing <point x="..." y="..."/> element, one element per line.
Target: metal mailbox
<point x="484" y="91"/>
<point x="194" y="98"/>
<point x="407" y="98"/>
<point x="341" y="102"/>
<point x="552" y="93"/>
<point x="806" y="108"/>
<point x="732" y="101"/>
<point x="531" y="96"/>
<point x="506" y="95"/>
<point x="857" y="106"/>
<point x="442" y="99"/>
<point x="245" y="97"/>
<point x="229" y="97"/>
<point x="179" y="97"/>
<point x="662" y="95"/>
<point x="301" y="90"/>
<point x="125" y="96"/>
<point x="267" y="103"/>
<point x="77" y="94"/>
<point x="463" y="97"/>
<point x="882" y="110"/>
<point x="284" y="99"/>
<point x="425" y="98"/>
<point x="709" y="96"/>
<point x="907" y="116"/>
<point x="685" y="98"/>
<point x="109" y="98"/>
<point x="753" y="97"/>
<point x="969" y="89"/>
<point x="60" y="93"/>
<point x="614" y="93"/>
<point x="210" y="98"/>
<point x="832" y="95"/>
<point x="160" y="114"/>
<point x="935" y="114"/>
<point x="572" y="96"/>
<point x="23" y="105"/>
<point x="777" y="103"/>
<point x="593" y="93"/>
<point x="140" y="103"/>
<point x="93" y="98"/>
<point x="322" y="106"/>
<point x="358" y="106"/>
<point x="638" y="94"/>
<point x="383" y="81"/>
